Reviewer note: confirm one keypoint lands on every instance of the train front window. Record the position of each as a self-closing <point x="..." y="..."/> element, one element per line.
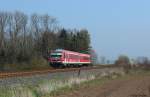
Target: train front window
<point x="55" y="55"/>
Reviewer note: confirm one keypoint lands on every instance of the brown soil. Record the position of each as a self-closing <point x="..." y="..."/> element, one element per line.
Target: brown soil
<point x="137" y="86"/>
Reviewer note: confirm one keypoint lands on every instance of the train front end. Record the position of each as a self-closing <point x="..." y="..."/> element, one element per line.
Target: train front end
<point x="56" y="58"/>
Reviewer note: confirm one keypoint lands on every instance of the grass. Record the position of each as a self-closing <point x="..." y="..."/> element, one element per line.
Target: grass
<point x="18" y="91"/>
<point x="43" y="89"/>
<point x="83" y="84"/>
<point x="55" y="87"/>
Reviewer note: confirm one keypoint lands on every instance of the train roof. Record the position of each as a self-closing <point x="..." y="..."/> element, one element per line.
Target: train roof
<point x="73" y="52"/>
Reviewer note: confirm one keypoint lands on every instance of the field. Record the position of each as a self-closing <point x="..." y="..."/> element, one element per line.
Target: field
<point x="131" y="85"/>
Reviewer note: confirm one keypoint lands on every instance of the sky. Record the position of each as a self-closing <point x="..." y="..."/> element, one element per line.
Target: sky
<point x="116" y="26"/>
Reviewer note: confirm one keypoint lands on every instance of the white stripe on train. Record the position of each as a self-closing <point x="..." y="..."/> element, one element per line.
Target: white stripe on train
<point x="76" y="62"/>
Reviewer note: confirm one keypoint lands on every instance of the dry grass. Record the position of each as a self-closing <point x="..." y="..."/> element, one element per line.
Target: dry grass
<point x="44" y="88"/>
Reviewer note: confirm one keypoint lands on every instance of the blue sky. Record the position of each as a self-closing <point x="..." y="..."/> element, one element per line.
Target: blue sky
<point x="116" y="26"/>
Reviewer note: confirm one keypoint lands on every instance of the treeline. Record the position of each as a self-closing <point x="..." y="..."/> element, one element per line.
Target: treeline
<point x="127" y="63"/>
<point x="26" y="40"/>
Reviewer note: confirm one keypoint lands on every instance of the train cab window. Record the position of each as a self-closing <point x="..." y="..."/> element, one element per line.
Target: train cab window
<point x="55" y="55"/>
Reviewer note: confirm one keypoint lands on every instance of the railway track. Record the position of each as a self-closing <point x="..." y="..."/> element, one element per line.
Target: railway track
<point x="35" y="72"/>
<point x="38" y="72"/>
<point x="45" y="71"/>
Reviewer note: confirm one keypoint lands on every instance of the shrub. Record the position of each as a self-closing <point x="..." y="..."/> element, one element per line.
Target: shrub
<point x="39" y="62"/>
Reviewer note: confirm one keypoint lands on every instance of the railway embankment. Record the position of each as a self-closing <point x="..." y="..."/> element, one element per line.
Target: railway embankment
<point x="45" y="84"/>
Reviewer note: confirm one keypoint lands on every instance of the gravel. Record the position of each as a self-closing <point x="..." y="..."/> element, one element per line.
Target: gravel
<point x="36" y="79"/>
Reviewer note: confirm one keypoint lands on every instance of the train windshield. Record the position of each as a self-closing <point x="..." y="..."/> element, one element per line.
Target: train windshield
<point x="56" y="55"/>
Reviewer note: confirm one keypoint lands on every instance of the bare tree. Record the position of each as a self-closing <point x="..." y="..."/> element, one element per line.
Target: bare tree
<point x="35" y="25"/>
<point x="124" y="62"/>
<point x="3" y="24"/>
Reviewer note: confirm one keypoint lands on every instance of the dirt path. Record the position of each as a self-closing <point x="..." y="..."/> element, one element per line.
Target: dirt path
<point x="138" y="86"/>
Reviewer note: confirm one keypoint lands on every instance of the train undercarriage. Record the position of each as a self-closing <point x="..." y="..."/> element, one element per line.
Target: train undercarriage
<point x="61" y="65"/>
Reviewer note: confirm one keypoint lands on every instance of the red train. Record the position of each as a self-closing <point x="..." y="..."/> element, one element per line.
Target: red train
<point x="65" y="58"/>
